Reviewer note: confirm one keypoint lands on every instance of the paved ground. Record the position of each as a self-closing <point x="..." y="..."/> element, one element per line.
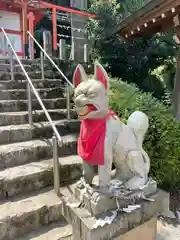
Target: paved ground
<point x="168" y="229"/>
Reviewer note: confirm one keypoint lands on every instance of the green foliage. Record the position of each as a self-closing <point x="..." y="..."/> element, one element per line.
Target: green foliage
<point x="162" y="141"/>
<point x="134" y="5"/>
<point x="132" y="60"/>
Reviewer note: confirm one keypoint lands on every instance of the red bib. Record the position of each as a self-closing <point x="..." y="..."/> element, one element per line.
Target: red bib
<point x="91" y="139"/>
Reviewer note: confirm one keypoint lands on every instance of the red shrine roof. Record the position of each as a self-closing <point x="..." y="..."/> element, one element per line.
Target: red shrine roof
<point x="154" y="16"/>
<point x="33" y="5"/>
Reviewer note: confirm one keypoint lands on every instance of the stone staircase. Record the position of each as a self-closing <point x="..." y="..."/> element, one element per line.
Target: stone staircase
<point x="29" y="208"/>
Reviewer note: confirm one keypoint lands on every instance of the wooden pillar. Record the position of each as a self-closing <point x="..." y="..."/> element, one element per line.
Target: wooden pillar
<point x="25" y="22"/>
<point x="31" y="19"/>
<point x="176" y="91"/>
<point x="54" y="22"/>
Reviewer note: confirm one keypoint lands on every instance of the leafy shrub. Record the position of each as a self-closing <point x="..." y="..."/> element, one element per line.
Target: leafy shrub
<point x="153" y="85"/>
<point x="163" y="139"/>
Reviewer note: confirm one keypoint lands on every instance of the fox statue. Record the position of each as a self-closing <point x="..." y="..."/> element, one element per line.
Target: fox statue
<point x="104" y="139"/>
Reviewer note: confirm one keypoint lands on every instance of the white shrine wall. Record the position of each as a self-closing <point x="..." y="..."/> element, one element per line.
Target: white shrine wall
<point x="11" y="22"/>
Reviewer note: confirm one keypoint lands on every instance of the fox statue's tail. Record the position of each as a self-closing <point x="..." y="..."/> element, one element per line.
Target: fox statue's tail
<point x="139" y="124"/>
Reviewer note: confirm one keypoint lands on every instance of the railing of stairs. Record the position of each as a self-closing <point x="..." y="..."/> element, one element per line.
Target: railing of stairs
<point x="68" y="84"/>
<point x="56" y="139"/>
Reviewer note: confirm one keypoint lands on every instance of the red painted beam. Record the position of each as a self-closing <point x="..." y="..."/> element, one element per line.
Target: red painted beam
<point x="65" y="9"/>
<point x="11" y="31"/>
<point x="54" y="29"/>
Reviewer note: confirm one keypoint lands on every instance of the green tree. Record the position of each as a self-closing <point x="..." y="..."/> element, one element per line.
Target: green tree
<point x="132" y="60"/>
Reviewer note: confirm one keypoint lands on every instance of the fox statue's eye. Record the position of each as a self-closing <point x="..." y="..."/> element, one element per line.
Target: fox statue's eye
<point x="91" y="95"/>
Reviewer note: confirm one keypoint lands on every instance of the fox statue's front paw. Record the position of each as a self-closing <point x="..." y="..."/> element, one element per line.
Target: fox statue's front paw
<point x="102" y="193"/>
<point x="81" y="183"/>
<point x="135" y="183"/>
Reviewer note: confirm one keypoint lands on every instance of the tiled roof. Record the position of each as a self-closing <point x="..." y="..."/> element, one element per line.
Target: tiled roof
<point x="151" y="17"/>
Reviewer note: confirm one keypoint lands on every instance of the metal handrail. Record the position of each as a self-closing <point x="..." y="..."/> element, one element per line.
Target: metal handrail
<point x="34" y="90"/>
<point x="50" y="59"/>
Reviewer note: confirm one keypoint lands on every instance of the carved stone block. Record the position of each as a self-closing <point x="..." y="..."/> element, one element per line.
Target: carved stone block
<point x="108" y="202"/>
<point x="83" y="222"/>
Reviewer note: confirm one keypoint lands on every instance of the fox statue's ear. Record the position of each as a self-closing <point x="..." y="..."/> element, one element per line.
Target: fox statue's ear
<point x="101" y="75"/>
<point x="79" y="75"/>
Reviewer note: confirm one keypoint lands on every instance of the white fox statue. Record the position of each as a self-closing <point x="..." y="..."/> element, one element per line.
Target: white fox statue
<point x="104" y="139"/>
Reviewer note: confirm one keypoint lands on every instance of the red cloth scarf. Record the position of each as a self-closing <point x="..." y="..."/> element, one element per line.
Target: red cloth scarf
<point x="91" y="139"/>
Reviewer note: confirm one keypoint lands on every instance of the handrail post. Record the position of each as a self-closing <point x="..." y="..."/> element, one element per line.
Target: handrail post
<point x="56" y="166"/>
<point x="11" y="63"/>
<point x="42" y="66"/>
<point x="73" y="50"/>
<point x="68" y="101"/>
<point x="44" y="43"/>
<point x="29" y="93"/>
<point x="4" y="46"/>
<point x="85" y="53"/>
<point x="31" y="48"/>
<point x="61" y="49"/>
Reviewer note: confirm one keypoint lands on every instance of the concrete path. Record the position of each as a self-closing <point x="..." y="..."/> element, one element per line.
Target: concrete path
<point x="168" y="229"/>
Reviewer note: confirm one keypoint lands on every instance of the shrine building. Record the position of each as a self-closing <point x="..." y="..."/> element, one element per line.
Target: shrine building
<point x="19" y="16"/>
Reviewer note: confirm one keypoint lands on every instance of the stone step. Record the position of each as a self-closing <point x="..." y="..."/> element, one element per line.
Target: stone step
<point x="32" y="74"/>
<point x="4" y="67"/>
<point x="15" y="118"/>
<point x="21" y="216"/>
<point x="17" y="67"/>
<point x="22" y="105"/>
<point x="25" y="132"/>
<point x="55" y="231"/>
<point x="33" y="61"/>
<point x="37" y="175"/>
<point x="17" y="94"/>
<point x="3" y="61"/>
<point x="28" y="61"/>
<point x="19" y="153"/>
<point x="38" y="83"/>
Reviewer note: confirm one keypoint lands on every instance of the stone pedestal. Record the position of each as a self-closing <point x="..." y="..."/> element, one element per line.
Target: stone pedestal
<point x="109" y="202"/>
<point x="124" y="227"/>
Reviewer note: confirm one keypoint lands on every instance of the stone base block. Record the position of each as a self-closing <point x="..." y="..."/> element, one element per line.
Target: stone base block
<point x="109" y="202"/>
<point x="83" y="222"/>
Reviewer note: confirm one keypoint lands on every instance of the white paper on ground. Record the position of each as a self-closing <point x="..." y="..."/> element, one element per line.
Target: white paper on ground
<point x="130" y="208"/>
<point x="107" y="220"/>
<point x="73" y="205"/>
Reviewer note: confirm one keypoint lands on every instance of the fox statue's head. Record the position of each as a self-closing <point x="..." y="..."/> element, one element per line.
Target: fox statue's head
<point x="91" y="95"/>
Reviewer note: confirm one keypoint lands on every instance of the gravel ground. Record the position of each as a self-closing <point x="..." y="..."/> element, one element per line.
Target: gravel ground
<point x="168" y="229"/>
